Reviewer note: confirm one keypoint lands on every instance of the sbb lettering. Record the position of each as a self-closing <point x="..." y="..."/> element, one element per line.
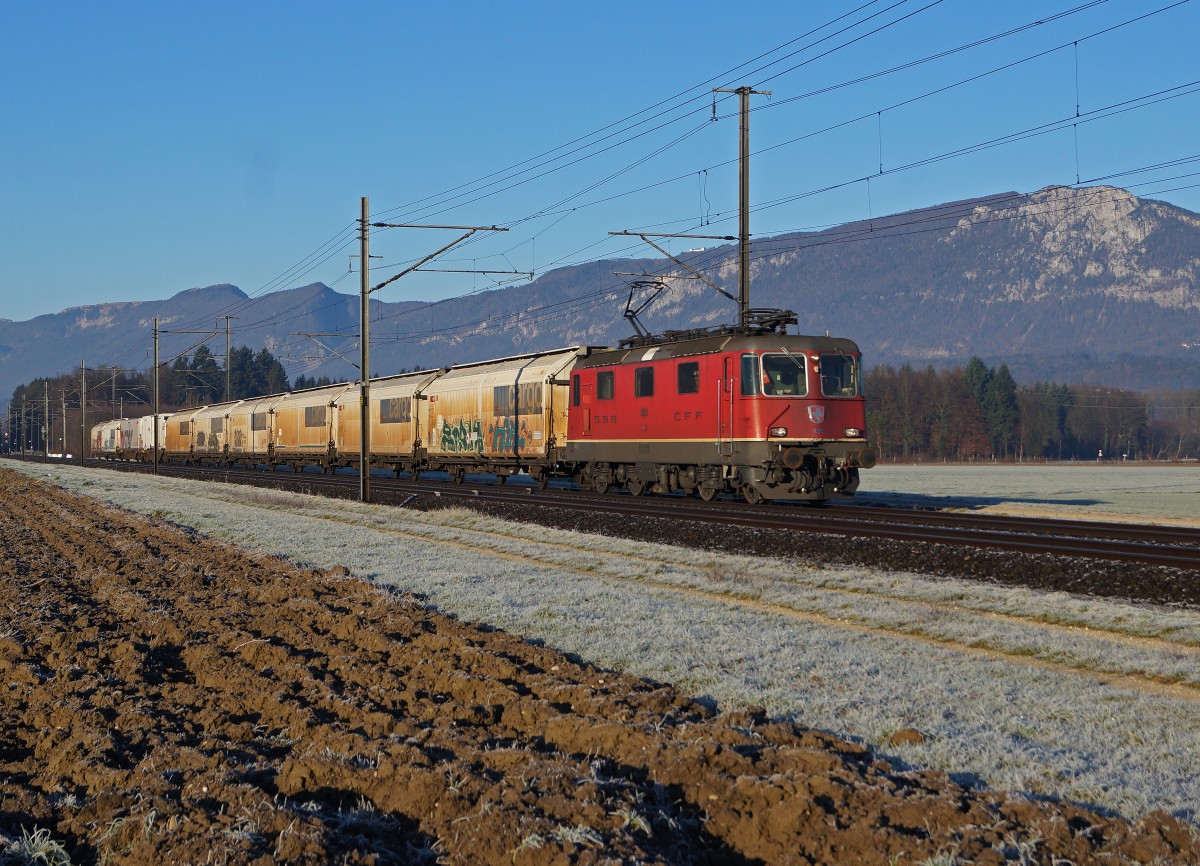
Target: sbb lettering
<point x="604" y="419"/>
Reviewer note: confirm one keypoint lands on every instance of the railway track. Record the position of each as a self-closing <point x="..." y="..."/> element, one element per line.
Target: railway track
<point x="1139" y="544"/>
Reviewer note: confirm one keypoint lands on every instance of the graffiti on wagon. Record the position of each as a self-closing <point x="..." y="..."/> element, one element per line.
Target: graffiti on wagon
<point x="508" y="434"/>
<point x="462" y="435"/>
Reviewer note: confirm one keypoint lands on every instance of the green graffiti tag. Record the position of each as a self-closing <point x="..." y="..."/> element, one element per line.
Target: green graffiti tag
<point x="462" y="436"/>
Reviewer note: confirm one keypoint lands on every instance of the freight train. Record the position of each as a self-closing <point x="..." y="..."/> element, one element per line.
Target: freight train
<point x="750" y="409"/>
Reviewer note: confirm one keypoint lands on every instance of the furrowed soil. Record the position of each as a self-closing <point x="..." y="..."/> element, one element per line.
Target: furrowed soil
<point x="165" y="698"/>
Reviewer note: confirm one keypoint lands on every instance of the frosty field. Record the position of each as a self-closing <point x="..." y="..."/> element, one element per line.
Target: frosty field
<point x="1150" y="493"/>
<point x="1048" y="694"/>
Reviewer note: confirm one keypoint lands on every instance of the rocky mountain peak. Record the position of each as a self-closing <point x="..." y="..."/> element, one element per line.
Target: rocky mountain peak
<point x="1064" y="285"/>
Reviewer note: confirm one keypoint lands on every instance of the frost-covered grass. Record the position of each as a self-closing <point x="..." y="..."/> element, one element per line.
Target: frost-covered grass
<point x="33" y="849"/>
<point x="1153" y="493"/>
<point x="1046" y="693"/>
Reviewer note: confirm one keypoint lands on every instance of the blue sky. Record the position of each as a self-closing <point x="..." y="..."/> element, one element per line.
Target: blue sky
<point x="153" y="147"/>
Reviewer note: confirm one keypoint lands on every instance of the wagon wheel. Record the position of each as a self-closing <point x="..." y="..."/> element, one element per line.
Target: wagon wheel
<point x="708" y="494"/>
<point x="458" y="475"/>
<point x="600" y="484"/>
<point x="752" y="494"/>
<point x="502" y="479"/>
<point x="416" y="474"/>
<point x="636" y="486"/>
<point x="541" y="478"/>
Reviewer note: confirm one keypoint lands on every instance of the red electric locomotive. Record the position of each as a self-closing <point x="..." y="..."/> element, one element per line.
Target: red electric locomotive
<point x="752" y="409"/>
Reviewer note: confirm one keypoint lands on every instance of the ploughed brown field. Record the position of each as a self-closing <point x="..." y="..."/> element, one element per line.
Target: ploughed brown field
<point x="165" y="698"/>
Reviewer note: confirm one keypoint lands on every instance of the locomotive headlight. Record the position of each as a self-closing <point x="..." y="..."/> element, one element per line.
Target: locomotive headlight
<point x="777" y="431"/>
<point x="853" y="433"/>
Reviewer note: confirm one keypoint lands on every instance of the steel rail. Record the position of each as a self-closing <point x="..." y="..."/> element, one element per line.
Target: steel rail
<point x="1133" y="543"/>
<point x="1051" y="525"/>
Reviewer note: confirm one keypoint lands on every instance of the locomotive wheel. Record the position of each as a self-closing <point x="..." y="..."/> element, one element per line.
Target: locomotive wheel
<point x="600" y="484"/>
<point x="708" y="494"/>
<point x="752" y="494"/>
<point x="636" y="486"/>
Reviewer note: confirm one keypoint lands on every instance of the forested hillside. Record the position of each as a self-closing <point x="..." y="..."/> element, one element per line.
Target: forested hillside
<point x="979" y="413"/>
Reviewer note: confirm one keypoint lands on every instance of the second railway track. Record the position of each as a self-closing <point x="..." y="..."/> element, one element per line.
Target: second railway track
<point x="1145" y="545"/>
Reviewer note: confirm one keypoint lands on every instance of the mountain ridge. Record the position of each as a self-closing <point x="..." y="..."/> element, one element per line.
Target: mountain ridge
<point x="1066" y="284"/>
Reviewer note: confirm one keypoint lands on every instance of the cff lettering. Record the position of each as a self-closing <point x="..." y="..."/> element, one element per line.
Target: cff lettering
<point x="688" y="416"/>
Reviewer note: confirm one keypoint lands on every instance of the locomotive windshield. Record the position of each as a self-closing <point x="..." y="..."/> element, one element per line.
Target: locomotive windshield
<point x="783" y="376"/>
<point x="839" y="376"/>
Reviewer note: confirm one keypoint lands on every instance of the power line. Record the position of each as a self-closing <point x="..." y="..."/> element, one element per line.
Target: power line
<point x="860" y="234"/>
<point x="330" y="249"/>
<point x="593" y="299"/>
<point x="550" y="212"/>
<point x="316" y="258"/>
<point x="625" y="124"/>
<point x="426" y="213"/>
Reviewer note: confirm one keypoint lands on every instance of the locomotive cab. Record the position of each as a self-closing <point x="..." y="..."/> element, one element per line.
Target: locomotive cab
<point x="809" y="413"/>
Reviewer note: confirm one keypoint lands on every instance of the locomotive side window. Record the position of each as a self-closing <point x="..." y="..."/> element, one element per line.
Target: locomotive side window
<point x="839" y="376"/>
<point x="689" y="378"/>
<point x="575" y="390"/>
<point x="783" y="376"/>
<point x="604" y="385"/>
<point x="643" y="382"/>
<point x="750" y="375"/>
<point x="314" y="416"/>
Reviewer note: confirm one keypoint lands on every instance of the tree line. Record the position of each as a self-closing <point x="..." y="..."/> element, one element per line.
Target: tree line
<point x="200" y="379"/>
<point x="980" y="413"/>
